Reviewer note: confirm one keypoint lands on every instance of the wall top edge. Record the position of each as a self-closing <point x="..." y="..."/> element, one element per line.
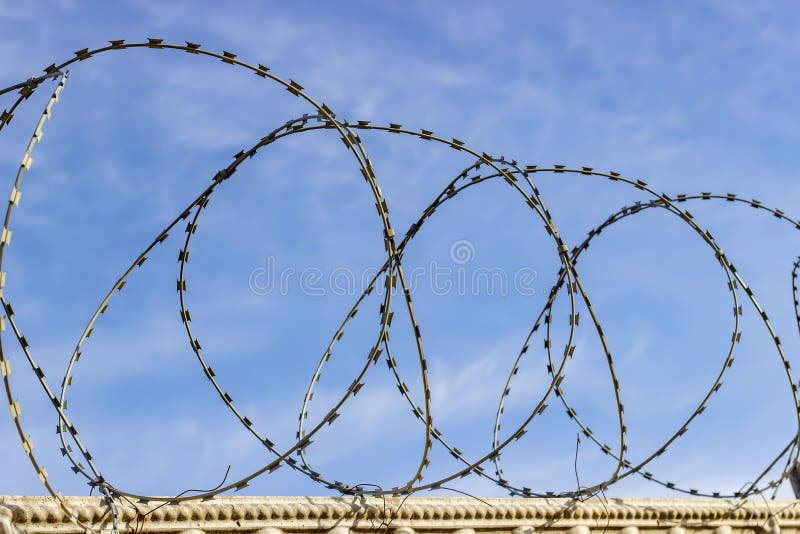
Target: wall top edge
<point x="223" y="513"/>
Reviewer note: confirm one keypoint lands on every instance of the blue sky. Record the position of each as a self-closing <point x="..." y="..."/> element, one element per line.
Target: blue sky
<point x="689" y="97"/>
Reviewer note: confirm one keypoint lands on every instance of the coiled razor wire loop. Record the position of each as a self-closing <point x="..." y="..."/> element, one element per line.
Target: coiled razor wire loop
<point x="391" y="276"/>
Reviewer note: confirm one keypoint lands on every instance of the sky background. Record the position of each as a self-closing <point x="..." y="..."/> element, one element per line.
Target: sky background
<point x="688" y="96"/>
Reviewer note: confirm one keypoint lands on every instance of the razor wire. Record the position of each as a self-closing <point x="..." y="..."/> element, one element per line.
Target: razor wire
<point x="520" y="178"/>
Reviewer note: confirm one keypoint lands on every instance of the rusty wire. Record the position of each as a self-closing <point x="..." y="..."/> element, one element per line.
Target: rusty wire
<point x="486" y="167"/>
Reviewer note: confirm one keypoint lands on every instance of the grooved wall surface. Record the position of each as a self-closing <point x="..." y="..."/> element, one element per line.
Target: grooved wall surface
<point x="275" y="515"/>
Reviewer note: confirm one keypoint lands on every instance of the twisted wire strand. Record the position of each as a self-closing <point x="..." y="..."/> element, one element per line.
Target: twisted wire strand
<point x="392" y="277"/>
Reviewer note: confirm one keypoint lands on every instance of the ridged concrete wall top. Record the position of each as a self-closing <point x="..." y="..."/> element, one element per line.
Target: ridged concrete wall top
<point x="276" y="515"/>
